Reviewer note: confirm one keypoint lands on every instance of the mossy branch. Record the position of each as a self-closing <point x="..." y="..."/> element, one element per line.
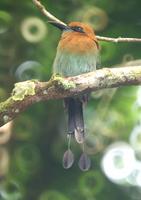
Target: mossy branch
<point x="26" y="93"/>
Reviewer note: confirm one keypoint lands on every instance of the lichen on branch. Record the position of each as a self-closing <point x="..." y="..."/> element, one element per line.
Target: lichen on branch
<point x="23" y="89"/>
<point x="28" y="92"/>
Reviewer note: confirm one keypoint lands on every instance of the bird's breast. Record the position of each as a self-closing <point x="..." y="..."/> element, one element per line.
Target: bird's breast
<point x="67" y="64"/>
<point x="75" y="55"/>
<point x="77" y="44"/>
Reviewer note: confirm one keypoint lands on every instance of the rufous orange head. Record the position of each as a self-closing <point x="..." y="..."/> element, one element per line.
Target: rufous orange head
<point x="77" y="37"/>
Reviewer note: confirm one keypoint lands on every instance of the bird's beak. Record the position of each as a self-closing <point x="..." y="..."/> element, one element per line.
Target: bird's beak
<point x="62" y="27"/>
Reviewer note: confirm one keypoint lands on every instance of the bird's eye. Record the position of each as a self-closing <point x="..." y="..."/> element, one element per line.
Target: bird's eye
<point x="77" y="29"/>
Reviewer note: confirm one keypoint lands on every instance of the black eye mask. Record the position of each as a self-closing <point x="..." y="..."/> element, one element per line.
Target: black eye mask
<point x="77" y="29"/>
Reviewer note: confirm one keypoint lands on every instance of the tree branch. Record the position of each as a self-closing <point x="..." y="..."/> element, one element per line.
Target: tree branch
<point x="26" y="93"/>
<point x="46" y="13"/>
<point x="119" y="39"/>
<point x="107" y="39"/>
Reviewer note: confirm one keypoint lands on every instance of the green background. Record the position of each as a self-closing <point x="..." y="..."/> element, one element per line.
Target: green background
<point x="38" y="138"/>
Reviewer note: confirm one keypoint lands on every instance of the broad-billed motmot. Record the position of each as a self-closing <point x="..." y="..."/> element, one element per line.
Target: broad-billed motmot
<point x="77" y="53"/>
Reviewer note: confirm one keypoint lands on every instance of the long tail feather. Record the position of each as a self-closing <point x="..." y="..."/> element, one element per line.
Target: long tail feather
<point x="75" y="118"/>
<point x="79" y="121"/>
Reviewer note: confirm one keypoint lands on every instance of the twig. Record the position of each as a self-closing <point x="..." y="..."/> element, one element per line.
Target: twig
<point x="46" y="13"/>
<point x="26" y="93"/>
<point x="100" y="38"/>
<point x="119" y="39"/>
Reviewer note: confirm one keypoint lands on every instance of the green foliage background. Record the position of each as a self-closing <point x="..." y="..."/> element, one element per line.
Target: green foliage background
<point x="38" y="138"/>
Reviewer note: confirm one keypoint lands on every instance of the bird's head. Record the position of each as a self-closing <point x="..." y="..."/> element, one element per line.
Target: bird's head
<point x="77" y="37"/>
<point x="75" y="29"/>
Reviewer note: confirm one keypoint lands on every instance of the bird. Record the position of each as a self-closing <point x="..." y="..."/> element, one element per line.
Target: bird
<point x="77" y="53"/>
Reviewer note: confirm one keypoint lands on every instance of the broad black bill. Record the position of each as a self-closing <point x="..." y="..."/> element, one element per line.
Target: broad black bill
<point x="84" y="162"/>
<point x="61" y="26"/>
<point x="68" y="159"/>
